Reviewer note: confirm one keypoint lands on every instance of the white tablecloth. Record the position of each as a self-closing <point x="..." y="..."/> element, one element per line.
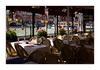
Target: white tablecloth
<point x="29" y="47"/>
<point x="20" y="43"/>
<point x="82" y="38"/>
<point x="64" y="41"/>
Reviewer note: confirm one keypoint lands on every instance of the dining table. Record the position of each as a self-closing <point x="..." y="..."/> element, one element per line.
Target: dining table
<point x="29" y="46"/>
<point x="65" y="41"/>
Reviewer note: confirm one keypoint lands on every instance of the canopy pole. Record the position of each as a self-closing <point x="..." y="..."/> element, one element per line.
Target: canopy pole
<point x="68" y="23"/>
<point x="33" y="21"/>
<point x="57" y="22"/>
<point x="25" y="24"/>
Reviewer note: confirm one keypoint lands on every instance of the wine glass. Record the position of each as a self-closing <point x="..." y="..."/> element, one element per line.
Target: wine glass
<point x="18" y="39"/>
<point x="24" y="38"/>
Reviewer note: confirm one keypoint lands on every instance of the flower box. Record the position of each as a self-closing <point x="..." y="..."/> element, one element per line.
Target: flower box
<point x="61" y="31"/>
<point x="11" y="35"/>
<point x="42" y="32"/>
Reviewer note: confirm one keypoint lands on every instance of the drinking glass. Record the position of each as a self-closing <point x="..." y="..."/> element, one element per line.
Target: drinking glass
<point x="24" y="38"/>
<point x="18" y="39"/>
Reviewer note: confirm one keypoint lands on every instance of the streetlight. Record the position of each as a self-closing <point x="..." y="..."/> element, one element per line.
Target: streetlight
<point x="16" y="20"/>
<point x="11" y="18"/>
<point x="44" y="21"/>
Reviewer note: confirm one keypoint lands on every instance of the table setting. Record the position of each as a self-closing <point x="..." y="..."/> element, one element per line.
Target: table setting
<point x="28" y="46"/>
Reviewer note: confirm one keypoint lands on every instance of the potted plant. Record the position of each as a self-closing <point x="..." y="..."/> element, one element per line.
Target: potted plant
<point x="42" y="32"/>
<point x="61" y="31"/>
<point x="75" y="30"/>
<point x="11" y="35"/>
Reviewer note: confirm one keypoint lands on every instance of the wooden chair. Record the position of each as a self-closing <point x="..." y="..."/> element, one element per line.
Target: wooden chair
<point x="67" y="54"/>
<point x="21" y="51"/>
<point x="71" y="42"/>
<point x="70" y="37"/>
<point x="42" y="38"/>
<point x="84" y="55"/>
<point x="83" y="42"/>
<point x="59" y="37"/>
<point x="7" y="55"/>
<point x="82" y="35"/>
<point x="65" y="37"/>
<point x="76" y="39"/>
<point x="51" y="59"/>
<point x="91" y="41"/>
<point x="33" y="39"/>
<point x="46" y="42"/>
<point x="89" y="36"/>
<point x="53" y="50"/>
<point x="58" y="44"/>
<point x="35" y="56"/>
<point x="10" y="50"/>
<point x="46" y="49"/>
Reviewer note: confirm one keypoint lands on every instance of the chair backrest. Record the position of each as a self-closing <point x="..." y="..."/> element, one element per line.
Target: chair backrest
<point x="91" y="41"/>
<point x="65" y="36"/>
<point x="70" y="37"/>
<point x="47" y="42"/>
<point x="35" y="56"/>
<point x="43" y="38"/>
<point x="76" y="39"/>
<point x="33" y="39"/>
<point x="7" y="54"/>
<point x="57" y="44"/>
<point x="83" y="42"/>
<point x="46" y="49"/>
<point x="51" y="59"/>
<point x="71" y="42"/>
<point x="82" y="35"/>
<point x="67" y="53"/>
<point x="83" y="55"/>
<point x="10" y="50"/>
<point x="21" y="51"/>
<point x="59" y="37"/>
<point x="53" y="50"/>
<point x="89" y="36"/>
